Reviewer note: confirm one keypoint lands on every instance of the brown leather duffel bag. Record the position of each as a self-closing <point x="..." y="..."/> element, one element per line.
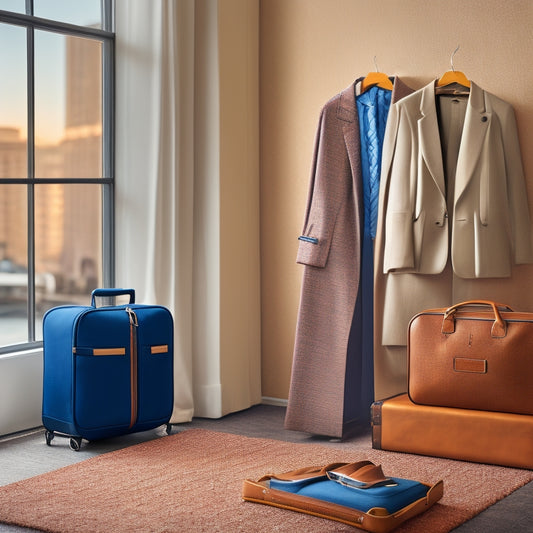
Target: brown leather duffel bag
<point x="475" y="355"/>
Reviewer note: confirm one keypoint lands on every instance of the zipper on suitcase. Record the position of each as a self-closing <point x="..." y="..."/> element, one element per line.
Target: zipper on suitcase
<point x="133" y="363"/>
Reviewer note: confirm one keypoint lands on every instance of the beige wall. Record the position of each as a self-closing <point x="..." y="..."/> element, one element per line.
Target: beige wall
<point x="238" y="49"/>
<point x="312" y="49"/>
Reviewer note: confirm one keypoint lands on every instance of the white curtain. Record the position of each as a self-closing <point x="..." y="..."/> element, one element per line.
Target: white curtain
<point x="168" y="183"/>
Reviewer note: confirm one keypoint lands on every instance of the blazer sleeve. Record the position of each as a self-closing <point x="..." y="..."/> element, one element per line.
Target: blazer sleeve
<point x="398" y="205"/>
<point x="517" y="191"/>
<point x="326" y="191"/>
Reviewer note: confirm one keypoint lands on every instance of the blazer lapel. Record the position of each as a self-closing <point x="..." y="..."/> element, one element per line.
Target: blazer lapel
<point x="477" y="123"/>
<point x="429" y="137"/>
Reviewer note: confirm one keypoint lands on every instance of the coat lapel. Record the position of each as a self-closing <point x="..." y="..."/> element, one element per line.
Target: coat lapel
<point x="399" y="90"/>
<point x="347" y="112"/>
<point x="477" y="122"/>
<point x="429" y="137"/>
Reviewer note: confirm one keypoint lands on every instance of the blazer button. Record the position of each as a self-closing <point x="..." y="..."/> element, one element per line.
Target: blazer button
<point x="484" y="119"/>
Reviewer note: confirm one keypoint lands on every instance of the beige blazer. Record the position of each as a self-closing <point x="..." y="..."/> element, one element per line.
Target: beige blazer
<point x="435" y="249"/>
<point x="490" y="225"/>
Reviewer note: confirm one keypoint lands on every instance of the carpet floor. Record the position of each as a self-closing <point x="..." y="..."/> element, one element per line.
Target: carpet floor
<point x="194" y="485"/>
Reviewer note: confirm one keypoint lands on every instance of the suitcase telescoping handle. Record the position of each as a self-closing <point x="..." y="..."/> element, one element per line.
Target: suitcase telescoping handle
<point x="105" y="293"/>
<point x="499" y="328"/>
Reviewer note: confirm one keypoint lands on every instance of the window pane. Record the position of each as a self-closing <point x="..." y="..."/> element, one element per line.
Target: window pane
<point x="68" y="106"/>
<point x="80" y="12"/>
<point x="13" y="265"/>
<point x="51" y="129"/>
<point x="68" y="245"/>
<point x="17" y="6"/>
<point x="13" y="108"/>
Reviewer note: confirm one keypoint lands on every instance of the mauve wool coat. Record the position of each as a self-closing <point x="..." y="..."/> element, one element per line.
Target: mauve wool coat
<point x="322" y="398"/>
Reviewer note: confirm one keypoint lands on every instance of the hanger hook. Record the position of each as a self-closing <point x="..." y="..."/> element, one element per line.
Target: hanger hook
<point x="376" y="63"/>
<point x="451" y="57"/>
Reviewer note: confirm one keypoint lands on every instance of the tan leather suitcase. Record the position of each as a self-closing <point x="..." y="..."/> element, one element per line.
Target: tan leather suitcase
<point x="473" y="355"/>
<point x="504" y="439"/>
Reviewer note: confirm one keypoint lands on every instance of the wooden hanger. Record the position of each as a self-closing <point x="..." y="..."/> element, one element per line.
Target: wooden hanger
<point x="376" y="78"/>
<point x="453" y="81"/>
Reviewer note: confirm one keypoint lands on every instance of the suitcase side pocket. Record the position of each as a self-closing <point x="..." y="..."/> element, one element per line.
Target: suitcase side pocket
<point x="155" y="383"/>
<point x="102" y="387"/>
<point x="155" y="361"/>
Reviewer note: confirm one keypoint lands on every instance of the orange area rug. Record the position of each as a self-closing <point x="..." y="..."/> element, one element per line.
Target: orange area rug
<point x="191" y="481"/>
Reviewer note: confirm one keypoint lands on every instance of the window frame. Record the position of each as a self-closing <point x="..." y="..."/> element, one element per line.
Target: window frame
<point x="107" y="181"/>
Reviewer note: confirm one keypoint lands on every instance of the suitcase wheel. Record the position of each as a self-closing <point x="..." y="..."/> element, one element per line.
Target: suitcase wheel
<point x="75" y="443"/>
<point x="169" y="429"/>
<point x="49" y="436"/>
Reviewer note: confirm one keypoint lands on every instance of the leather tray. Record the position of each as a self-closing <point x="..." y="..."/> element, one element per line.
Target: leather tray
<point x="378" y="507"/>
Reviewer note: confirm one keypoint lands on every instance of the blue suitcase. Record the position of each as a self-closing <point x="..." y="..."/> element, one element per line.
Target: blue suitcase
<point x="108" y="371"/>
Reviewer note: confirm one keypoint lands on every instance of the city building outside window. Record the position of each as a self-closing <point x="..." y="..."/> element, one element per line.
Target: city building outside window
<point x="56" y="160"/>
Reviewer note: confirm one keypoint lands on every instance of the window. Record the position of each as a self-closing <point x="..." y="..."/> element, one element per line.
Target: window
<point x="56" y="160"/>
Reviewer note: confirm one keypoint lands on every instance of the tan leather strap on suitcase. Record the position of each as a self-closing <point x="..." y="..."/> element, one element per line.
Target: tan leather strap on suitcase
<point x="304" y="473"/>
<point x="362" y="474"/>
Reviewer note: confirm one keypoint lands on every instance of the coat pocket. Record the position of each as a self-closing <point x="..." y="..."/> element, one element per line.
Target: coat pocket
<point x="399" y="242"/>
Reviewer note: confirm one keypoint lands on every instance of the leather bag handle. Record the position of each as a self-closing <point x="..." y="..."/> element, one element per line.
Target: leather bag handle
<point x="499" y="328"/>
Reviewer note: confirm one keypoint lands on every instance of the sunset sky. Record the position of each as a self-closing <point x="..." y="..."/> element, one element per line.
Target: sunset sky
<point x="49" y="67"/>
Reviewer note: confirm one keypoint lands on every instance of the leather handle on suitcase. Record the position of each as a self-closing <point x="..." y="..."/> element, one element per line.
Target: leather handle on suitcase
<point x="105" y="293"/>
<point x="499" y="328"/>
